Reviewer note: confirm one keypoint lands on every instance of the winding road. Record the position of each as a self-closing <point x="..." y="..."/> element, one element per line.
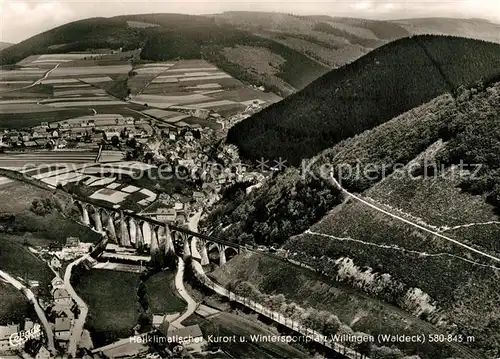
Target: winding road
<point x="76" y="332"/>
<point x="39" y="311"/>
<point x="179" y="285"/>
<point x="179" y="277"/>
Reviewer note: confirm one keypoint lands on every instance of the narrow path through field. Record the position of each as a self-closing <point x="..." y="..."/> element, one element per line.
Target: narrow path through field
<point x="422" y="222"/>
<point x="413" y="224"/>
<point x="76" y="332"/>
<point x="37" y="82"/>
<point x="39" y="311"/>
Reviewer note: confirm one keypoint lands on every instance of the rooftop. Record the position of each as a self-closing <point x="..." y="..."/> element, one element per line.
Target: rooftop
<point x="193" y="331"/>
<point x="62" y="324"/>
<point x="60" y="293"/>
<point x="158" y="319"/>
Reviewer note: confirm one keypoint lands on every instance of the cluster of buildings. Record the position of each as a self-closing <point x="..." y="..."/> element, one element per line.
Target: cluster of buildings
<point x="62" y="315"/>
<point x="56" y="253"/>
<point x="30" y="329"/>
<point x="87" y="129"/>
<point x="186" y="153"/>
<point x="172" y="208"/>
<point x="34" y="138"/>
<point x="63" y="312"/>
<point x="115" y="253"/>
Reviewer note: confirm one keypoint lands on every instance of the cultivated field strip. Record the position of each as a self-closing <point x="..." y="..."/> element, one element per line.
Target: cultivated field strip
<point x="196" y="84"/>
<point x="37" y="159"/>
<point x="91" y="70"/>
<point x="5" y="180"/>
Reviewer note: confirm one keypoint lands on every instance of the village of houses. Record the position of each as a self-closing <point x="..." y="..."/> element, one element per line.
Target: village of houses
<point x="182" y="145"/>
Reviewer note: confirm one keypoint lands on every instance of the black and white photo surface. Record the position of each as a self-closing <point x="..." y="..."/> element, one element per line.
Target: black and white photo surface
<point x="250" y="180"/>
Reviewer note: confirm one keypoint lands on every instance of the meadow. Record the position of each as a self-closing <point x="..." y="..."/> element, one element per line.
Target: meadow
<point x="18" y="261"/>
<point x="161" y="294"/>
<point x="113" y="303"/>
<point x="91" y="70"/>
<point x="14" y="306"/>
<point x="50" y="227"/>
<point x="312" y="291"/>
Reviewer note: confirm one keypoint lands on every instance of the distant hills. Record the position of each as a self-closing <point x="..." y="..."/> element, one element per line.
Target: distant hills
<point x="173" y="36"/>
<point x="473" y="28"/>
<point x="388" y="81"/>
<point x="4" y="45"/>
<point x="283" y="52"/>
<point x="335" y="41"/>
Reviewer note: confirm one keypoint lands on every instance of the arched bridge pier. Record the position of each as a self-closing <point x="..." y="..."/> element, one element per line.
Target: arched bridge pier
<point x="129" y="229"/>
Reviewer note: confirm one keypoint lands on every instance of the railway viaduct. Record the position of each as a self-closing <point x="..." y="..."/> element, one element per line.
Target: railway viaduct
<point x="129" y="229"/>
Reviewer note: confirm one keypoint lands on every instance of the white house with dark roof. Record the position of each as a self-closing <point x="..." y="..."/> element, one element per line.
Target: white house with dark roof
<point x="63" y="311"/>
<point x="158" y="319"/>
<point x="56" y="283"/>
<point x="43" y="353"/>
<point x="55" y="262"/>
<point x="62" y="328"/>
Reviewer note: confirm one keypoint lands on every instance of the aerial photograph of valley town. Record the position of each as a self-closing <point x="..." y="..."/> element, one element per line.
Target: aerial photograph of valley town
<point x="254" y="180"/>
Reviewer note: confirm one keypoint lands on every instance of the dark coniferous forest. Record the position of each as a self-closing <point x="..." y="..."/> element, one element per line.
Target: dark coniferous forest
<point x="381" y="85"/>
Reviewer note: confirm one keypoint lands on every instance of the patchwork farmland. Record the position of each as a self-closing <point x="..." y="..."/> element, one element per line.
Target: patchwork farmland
<point x="194" y="85"/>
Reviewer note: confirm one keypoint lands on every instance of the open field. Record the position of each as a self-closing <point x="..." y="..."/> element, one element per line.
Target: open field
<point x="196" y="84"/>
<point x="86" y="103"/>
<point x="65" y="91"/>
<point x="91" y="70"/>
<point x="52" y="58"/>
<point x="108" y="190"/>
<point x="439" y="203"/>
<point x="113" y="305"/>
<point x="51" y="227"/>
<point x="4" y="181"/>
<point x="20" y="75"/>
<point x="36" y="91"/>
<point x="144" y="74"/>
<point x="356" y="239"/>
<point x="18" y="261"/>
<point x="23" y="193"/>
<point x="45" y="158"/>
<point x="102" y="183"/>
<point x="162" y="295"/>
<point x="49" y="114"/>
<point x="79" y="91"/>
<point x="13" y="304"/>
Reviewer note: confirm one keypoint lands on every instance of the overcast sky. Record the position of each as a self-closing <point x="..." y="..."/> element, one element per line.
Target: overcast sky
<point x="23" y="19"/>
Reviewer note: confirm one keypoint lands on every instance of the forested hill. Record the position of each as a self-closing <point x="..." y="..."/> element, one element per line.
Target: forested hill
<point x="364" y="94"/>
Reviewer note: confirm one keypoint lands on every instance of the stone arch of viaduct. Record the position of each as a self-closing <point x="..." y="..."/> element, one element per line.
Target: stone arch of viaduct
<point x="131" y="230"/>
